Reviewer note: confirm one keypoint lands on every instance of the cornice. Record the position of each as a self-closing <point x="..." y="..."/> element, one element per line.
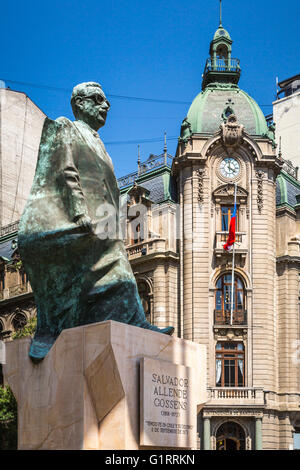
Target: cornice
<point x="287" y="259"/>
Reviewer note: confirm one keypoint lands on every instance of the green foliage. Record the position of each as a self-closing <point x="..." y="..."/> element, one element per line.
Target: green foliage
<point x="27" y="331"/>
<point x="19" y="265"/>
<point x="8" y="405"/>
<point x="8" y="419"/>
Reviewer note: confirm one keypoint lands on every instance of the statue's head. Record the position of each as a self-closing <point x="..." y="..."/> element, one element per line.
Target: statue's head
<point x="89" y="104"/>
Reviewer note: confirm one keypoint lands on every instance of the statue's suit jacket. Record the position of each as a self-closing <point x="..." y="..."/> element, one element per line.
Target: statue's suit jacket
<point x="77" y="276"/>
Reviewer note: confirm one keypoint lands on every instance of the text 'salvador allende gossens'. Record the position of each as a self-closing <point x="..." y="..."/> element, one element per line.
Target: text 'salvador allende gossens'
<point x="170" y="392"/>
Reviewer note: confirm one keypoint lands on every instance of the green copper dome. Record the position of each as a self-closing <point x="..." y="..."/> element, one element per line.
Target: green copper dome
<point x="222" y="33"/>
<point x="213" y="106"/>
<point x="221" y="95"/>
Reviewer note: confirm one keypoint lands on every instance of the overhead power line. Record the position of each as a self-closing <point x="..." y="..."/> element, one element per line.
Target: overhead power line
<point x="141" y="141"/>
<point x="110" y="95"/>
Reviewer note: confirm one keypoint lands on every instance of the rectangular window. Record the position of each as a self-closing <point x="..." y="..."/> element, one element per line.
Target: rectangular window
<point x="226" y="214"/>
<point x="230" y="365"/>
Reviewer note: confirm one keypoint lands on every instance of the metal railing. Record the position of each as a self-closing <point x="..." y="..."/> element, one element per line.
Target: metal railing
<point x="289" y="168"/>
<point x="222" y="65"/>
<point x="224" y="318"/>
<point x="153" y="162"/>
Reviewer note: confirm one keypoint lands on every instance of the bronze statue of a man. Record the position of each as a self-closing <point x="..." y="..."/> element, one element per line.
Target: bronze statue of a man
<point x="77" y="276"/>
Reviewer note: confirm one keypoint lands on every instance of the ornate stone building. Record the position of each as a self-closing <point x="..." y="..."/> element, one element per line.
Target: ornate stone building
<point x="186" y="276"/>
<point x="177" y="213"/>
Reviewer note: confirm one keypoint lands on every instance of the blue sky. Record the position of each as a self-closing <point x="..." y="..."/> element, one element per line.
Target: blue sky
<point x="154" y="49"/>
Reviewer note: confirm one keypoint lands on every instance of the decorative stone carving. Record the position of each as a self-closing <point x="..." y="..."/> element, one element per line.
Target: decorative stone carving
<point x="227" y="190"/>
<point x="201" y="174"/>
<point x="229" y="333"/>
<point x="232" y="132"/>
<point x="185" y="131"/>
<point x="260" y="193"/>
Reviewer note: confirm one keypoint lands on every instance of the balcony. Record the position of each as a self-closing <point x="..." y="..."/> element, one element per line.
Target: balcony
<point x="235" y="396"/>
<point x="146" y="248"/>
<point x="222" y="65"/>
<point x="239" y="318"/>
<point x="221" y="70"/>
<point x="14" y="291"/>
<point x="241" y="245"/>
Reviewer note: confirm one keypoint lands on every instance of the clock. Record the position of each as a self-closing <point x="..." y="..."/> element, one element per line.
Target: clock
<point x="230" y="167"/>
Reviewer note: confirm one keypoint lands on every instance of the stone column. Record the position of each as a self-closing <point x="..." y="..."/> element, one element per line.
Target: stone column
<point x="206" y="433"/>
<point x="258" y="433"/>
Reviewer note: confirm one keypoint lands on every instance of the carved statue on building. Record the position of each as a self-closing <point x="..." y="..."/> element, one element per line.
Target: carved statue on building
<point x="78" y="277"/>
<point x="232" y="131"/>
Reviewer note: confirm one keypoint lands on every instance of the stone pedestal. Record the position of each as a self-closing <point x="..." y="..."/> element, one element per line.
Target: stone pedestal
<point x="86" y="393"/>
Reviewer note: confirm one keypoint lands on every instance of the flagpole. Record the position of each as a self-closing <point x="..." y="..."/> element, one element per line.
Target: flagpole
<point x="233" y="262"/>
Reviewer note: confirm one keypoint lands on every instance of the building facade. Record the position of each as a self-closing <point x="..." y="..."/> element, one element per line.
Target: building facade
<point x="286" y="111"/>
<point x="177" y="215"/>
<point x="253" y="364"/>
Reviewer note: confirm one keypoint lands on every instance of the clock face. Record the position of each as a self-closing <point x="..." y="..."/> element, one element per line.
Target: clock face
<point x="230" y="167"/>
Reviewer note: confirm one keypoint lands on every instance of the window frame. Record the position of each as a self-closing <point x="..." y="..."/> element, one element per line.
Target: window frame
<point x="230" y="210"/>
<point x="235" y="355"/>
<point x="239" y="288"/>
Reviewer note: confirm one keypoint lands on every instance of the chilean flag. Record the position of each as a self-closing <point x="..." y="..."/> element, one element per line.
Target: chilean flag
<point x="231" y="237"/>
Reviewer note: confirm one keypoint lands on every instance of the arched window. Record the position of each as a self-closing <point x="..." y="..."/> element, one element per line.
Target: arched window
<point x="223" y="301"/>
<point x="230" y="364"/>
<point x="230" y="436"/>
<point x="19" y="321"/>
<point x="222" y="55"/>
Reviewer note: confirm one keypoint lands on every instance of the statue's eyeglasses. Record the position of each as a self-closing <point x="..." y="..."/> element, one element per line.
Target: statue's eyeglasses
<point x="98" y="99"/>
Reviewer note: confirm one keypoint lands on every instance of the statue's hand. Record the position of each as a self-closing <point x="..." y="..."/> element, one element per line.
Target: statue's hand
<point x="85" y="222"/>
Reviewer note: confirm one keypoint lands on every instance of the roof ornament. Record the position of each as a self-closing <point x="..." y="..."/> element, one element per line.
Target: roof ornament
<point x="232" y="132"/>
<point x="165" y="149"/>
<point x="228" y="111"/>
<point x="139" y="160"/>
<point x="220" y="14"/>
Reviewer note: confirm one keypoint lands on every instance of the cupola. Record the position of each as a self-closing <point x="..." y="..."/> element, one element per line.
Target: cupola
<point x="220" y="66"/>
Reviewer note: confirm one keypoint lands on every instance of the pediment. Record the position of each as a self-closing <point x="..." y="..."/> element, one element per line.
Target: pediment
<point x="227" y="190"/>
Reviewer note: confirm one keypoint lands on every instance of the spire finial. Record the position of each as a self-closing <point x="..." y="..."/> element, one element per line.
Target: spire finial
<point x="220" y="13"/>
<point x="139" y="160"/>
<point x="165" y="149"/>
